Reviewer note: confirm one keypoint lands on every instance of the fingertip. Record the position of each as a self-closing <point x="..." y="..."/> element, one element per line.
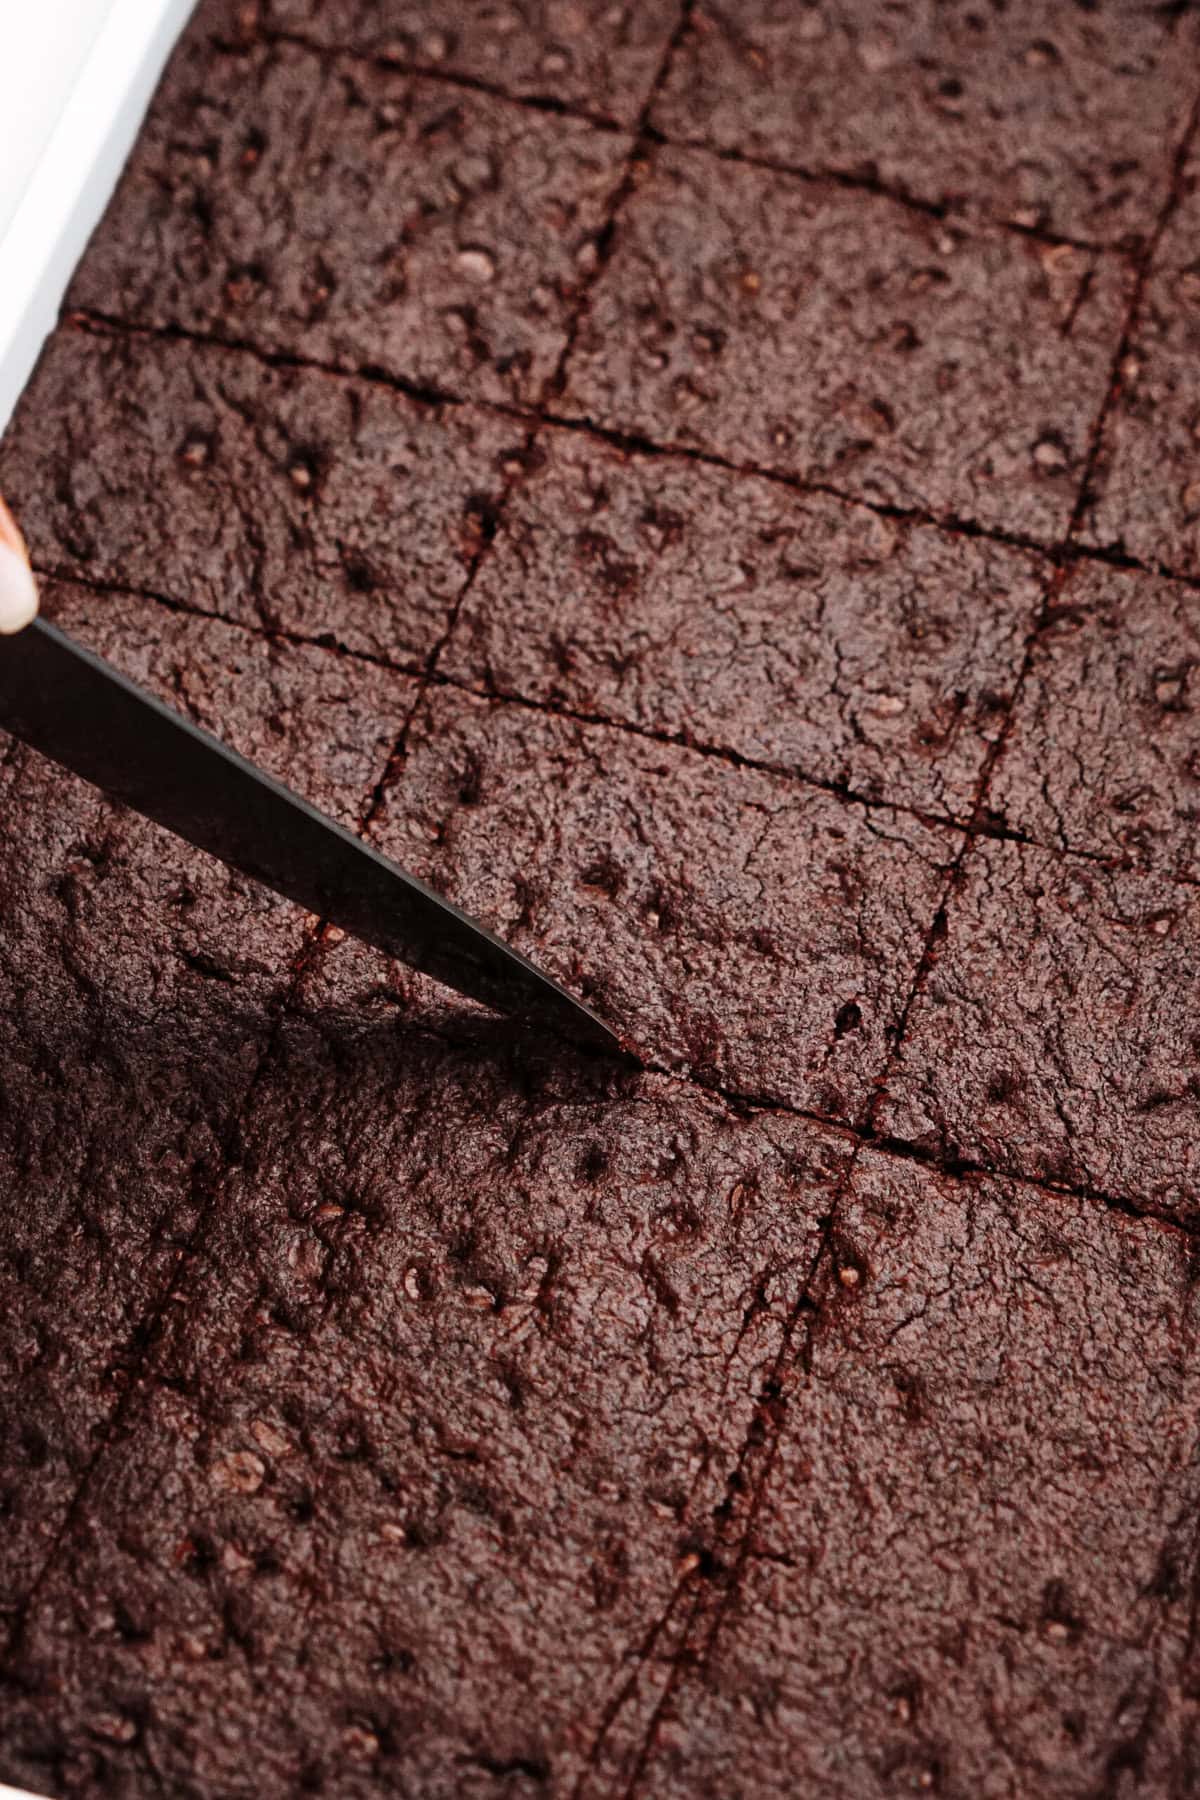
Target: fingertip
<point x="18" y="591"/>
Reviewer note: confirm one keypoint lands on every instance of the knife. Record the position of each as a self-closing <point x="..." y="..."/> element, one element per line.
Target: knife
<point x="74" y="708"/>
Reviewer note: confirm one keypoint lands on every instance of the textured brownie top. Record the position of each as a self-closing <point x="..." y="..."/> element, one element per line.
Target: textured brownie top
<point x="1014" y="1633"/>
<point x="813" y="636"/>
<point x="1057" y="1033"/>
<point x="700" y="561"/>
<point x="1103" y="755"/>
<point x="598" y="55"/>
<point x="1063" y="119"/>
<point x="844" y="338"/>
<point x="284" y="498"/>
<point x="1145" y="498"/>
<point x="348" y="212"/>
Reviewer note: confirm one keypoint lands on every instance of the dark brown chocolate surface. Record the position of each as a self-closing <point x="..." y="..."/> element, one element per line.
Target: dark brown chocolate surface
<point x="809" y="635"/>
<point x="705" y="574"/>
<point x="843" y="338"/>
<point x="1035" y="1383"/>
<point x="1057" y="1031"/>
<point x="1104" y="755"/>
<point x="437" y="234"/>
<point x="598" y="55"/>
<point x="279" y="498"/>
<point x="1145" y="497"/>
<point x="1061" y="118"/>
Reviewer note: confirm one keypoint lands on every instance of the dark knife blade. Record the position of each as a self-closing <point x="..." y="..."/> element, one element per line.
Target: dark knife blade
<point x="70" y="705"/>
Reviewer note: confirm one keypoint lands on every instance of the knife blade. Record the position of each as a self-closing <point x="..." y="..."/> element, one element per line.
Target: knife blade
<point x="73" y="707"/>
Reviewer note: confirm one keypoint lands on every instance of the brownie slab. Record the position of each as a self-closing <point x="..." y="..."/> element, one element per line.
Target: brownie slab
<point x="811" y="635"/>
<point x="336" y="210"/>
<point x="1145" y="500"/>
<point x="1103" y="755"/>
<point x="137" y="979"/>
<point x="437" y="1425"/>
<point x="949" y="1589"/>
<point x="755" y="932"/>
<point x="282" y="498"/>
<point x="845" y="339"/>
<point x="1061" y="119"/>
<point x="593" y="54"/>
<point x="1056" y="1035"/>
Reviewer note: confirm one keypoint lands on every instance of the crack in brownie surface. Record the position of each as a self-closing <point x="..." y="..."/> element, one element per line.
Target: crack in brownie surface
<point x="336" y="210"/>
<point x="841" y="338"/>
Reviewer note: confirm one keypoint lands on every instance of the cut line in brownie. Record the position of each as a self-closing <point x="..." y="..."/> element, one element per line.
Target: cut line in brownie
<point x="1103" y="754"/>
<point x="948" y="1589"/>
<point x="1062" y="119"/>
<point x="844" y="339"/>
<point x="1056" y="1031"/>
<point x="1145" y="498"/>
<point x="755" y="932"/>
<point x="453" y="1384"/>
<point x="800" y="632"/>
<point x="281" y="498"/>
<point x="138" y="978"/>
<point x="599" y="55"/>
<point x="341" y="211"/>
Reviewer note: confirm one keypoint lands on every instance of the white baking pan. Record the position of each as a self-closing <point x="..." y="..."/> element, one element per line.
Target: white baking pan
<point x="76" y="78"/>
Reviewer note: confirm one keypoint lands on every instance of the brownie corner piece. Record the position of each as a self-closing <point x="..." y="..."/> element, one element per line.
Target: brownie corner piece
<point x="840" y="337"/>
<point x="1055" y="1034"/>
<point x="344" y="212"/>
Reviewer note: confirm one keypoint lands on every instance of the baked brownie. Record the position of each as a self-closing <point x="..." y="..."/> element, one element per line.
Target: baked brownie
<point x="804" y="633"/>
<point x="333" y="209"/>
<point x="758" y="933"/>
<point x="846" y="339"/>
<point x="1061" y="119"/>
<point x="1145" y="498"/>
<point x="1028" y="1370"/>
<point x="277" y="497"/>
<point x="598" y="55"/>
<point x="136" y="984"/>
<point x="437" y="1426"/>
<point x="1056" y="1034"/>
<point x="1103" y="755"/>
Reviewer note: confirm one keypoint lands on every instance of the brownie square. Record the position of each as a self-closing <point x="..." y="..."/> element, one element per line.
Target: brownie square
<point x="1061" y="119"/>
<point x="137" y="978"/>
<point x="757" y="933"/>
<point x="847" y="340"/>
<point x="345" y="212"/>
<point x="803" y="633"/>
<point x="947" y="1588"/>
<point x="1103" y="755"/>
<point x="454" y="1384"/>
<point x="598" y="55"/>
<point x="1145" y="496"/>
<point x="1056" y="1034"/>
<point x="277" y="497"/>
